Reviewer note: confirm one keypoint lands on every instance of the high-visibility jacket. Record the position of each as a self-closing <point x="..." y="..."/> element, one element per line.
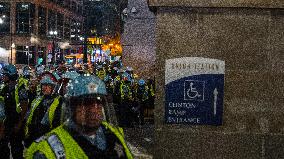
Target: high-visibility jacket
<point x="51" y="112"/>
<point x="151" y="89"/>
<point x="142" y="92"/>
<point x="60" y="144"/>
<point x="125" y="91"/>
<point x="101" y="74"/>
<point x="21" y="82"/>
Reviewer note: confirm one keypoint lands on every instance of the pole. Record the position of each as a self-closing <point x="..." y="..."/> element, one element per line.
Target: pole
<point x="11" y="40"/>
<point x="28" y="56"/>
<point x="53" y="50"/>
<point x="85" y="50"/>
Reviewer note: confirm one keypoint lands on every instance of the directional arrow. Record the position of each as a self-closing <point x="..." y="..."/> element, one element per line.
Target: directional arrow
<point x="215" y="93"/>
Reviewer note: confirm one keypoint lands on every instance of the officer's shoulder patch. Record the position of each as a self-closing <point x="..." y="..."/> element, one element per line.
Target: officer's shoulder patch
<point x="56" y="146"/>
<point x="40" y="139"/>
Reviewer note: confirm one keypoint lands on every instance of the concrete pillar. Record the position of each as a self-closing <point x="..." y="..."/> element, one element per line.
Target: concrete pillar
<point x="13" y="30"/>
<point x="36" y="25"/>
<point x="138" y="38"/>
<point x="248" y="36"/>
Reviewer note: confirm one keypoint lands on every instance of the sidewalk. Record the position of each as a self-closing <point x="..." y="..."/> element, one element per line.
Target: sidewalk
<point x="141" y="140"/>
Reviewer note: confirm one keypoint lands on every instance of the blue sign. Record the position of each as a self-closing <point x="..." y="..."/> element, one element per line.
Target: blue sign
<point x="194" y="91"/>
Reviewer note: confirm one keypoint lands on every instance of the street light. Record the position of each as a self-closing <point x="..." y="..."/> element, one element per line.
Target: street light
<point x="28" y="54"/>
<point x="12" y="47"/>
<point x="53" y="34"/>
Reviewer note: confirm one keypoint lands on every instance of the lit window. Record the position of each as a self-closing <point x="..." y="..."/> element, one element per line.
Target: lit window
<point x="25" y="6"/>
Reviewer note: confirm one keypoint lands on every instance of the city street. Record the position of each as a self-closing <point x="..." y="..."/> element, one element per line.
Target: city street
<point x="141" y="139"/>
<point x="46" y="46"/>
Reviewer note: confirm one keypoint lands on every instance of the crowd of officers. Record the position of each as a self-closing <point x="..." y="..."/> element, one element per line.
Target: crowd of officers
<point x="60" y="111"/>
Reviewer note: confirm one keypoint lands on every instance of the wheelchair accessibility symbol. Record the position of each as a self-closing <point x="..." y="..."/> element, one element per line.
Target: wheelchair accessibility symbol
<point x="194" y="90"/>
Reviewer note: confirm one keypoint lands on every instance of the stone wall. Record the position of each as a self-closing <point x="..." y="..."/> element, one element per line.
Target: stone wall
<point x="249" y="37"/>
<point x="138" y="39"/>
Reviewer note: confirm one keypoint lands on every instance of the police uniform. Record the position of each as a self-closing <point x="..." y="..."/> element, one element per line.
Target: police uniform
<point x="70" y="140"/>
<point x="44" y="113"/>
<point x="65" y="142"/>
<point x="126" y="114"/>
<point x="15" y="97"/>
<point x="142" y="96"/>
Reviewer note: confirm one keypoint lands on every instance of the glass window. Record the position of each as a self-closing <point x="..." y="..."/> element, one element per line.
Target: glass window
<point x="25" y="18"/>
<point x="80" y="9"/>
<point x="73" y="30"/>
<point x="25" y="55"/>
<point x="60" y="2"/>
<point x="20" y="55"/>
<point x="42" y="21"/>
<point x="76" y="30"/>
<point x="4" y="18"/>
<point x="67" y="3"/>
<point x="60" y="23"/>
<point x="51" y="21"/>
<point x="67" y="28"/>
<point x="73" y="6"/>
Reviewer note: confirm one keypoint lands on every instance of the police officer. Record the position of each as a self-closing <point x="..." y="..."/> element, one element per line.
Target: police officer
<point x="15" y="99"/>
<point x="86" y="133"/>
<point x="109" y="83"/>
<point x="142" y="97"/>
<point x="116" y="88"/>
<point x="151" y="98"/>
<point x="39" y="71"/>
<point x="45" y="110"/>
<point x="126" y="106"/>
<point x="101" y="73"/>
<point x="24" y="80"/>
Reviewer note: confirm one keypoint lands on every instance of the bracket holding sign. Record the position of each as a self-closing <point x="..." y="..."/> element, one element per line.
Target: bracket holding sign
<point x="194" y="91"/>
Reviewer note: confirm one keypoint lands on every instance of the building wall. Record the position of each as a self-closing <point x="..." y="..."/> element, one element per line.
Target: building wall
<point x="138" y="39"/>
<point x="39" y="41"/>
<point x="248" y="36"/>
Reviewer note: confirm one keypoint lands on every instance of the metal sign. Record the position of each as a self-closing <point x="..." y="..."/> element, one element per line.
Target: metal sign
<point x="194" y="91"/>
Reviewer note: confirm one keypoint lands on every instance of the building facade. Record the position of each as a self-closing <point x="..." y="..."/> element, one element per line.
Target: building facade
<point x="248" y="36"/>
<point x="40" y="30"/>
<point x="138" y="38"/>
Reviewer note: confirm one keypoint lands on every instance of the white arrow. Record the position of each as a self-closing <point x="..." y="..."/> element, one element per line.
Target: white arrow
<point x="215" y="92"/>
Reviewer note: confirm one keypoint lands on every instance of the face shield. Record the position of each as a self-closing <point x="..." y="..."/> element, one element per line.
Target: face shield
<point x="86" y="104"/>
<point x="48" y="83"/>
<point x="87" y="111"/>
<point x="47" y="89"/>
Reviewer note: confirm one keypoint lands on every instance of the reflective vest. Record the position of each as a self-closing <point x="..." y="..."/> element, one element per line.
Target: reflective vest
<point x="143" y="92"/>
<point x="117" y="79"/>
<point x="101" y="74"/>
<point x="60" y="144"/>
<point x="51" y="111"/>
<point x="38" y="89"/>
<point x="21" y="81"/>
<point x="125" y="91"/>
<point x="152" y="91"/>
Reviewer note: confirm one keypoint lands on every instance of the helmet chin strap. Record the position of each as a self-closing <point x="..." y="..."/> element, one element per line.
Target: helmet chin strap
<point x="89" y="130"/>
<point x="82" y="129"/>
